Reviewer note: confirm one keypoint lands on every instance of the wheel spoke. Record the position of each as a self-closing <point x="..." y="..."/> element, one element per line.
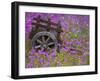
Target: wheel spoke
<point x="43" y="39"/>
<point x="38" y="46"/>
<point x="39" y="41"/>
<point x="47" y="39"/>
<point x="51" y="43"/>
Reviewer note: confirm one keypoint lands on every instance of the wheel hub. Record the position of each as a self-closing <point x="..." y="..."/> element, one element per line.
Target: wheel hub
<point x="44" y="45"/>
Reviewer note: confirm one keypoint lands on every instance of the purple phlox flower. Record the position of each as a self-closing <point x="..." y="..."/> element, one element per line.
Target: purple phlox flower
<point x="55" y="18"/>
<point x="75" y="19"/>
<point x="73" y="50"/>
<point x="65" y="48"/>
<point x="31" y="59"/>
<point x="59" y="44"/>
<point x="73" y="30"/>
<point x="78" y="43"/>
<point x="83" y="60"/>
<point x="29" y="65"/>
<point x="32" y="51"/>
<point x="41" y="60"/>
<point x="69" y="43"/>
<point x="53" y="55"/>
<point x="64" y="25"/>
<point x="41" y="52"/>
<point x="46" y="54"/>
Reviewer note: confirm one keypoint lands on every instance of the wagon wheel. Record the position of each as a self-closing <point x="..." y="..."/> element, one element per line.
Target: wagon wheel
<point x="44" y="41"/>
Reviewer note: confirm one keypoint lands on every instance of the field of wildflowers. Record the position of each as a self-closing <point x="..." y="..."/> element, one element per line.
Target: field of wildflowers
<point x="75" y="42"/>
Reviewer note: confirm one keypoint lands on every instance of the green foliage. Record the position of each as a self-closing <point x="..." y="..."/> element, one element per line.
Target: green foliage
<point x="27" y="60"/>
<point x="36" y="63"/>
<point x="28" y="44"/>
<point x="60" y="57"/>
<point x="53" y="64"/>
<point x="73" y="35"/>
<point x="87" y="59"/>
<point x="84" y="32"/>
